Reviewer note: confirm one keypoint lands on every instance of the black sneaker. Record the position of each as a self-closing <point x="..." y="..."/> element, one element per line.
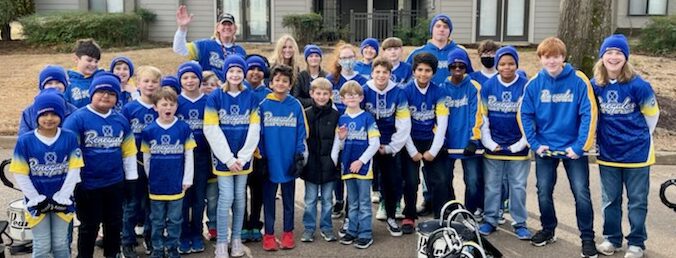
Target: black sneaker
<point x="393" y="227"/>
<point x="347" y="239"/>
<point x="542" y="238"/>
<point x="337" y="210"/>
<point x="363" y="243"/>
<point x="425" y="210"/>
<point x="589" y="249"/>
<point x="128" y="251"/>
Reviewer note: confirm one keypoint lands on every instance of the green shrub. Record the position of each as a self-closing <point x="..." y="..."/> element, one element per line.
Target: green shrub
<point x="305" y="27"/>
<point x="108" y="29"/>
<point x="416" y="35"/>
<point x="659" y="36"/>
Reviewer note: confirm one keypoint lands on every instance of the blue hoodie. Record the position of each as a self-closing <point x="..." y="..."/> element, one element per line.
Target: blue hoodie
<point x="442" y="56"/>
<point x="464" y="123"/>
<point x="559" y="112"/>
<point x="77" y="92"/>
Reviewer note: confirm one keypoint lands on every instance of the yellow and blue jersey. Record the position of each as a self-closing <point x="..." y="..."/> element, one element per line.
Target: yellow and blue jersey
<point x="401" y="74"/>
<point x="77" y="92"/>
<point x="46" y="166"/>
<point x="167" y="149"/>
<point x="360" y="129"/>
<point x="424" y="109"/>
<point x="387" y="106"/>
<point x="335" y="97"/>
<point x="623" y="136"/>
<point x="464" y="124"/>
<point x="139" y="115"/>
<point x="105" y="140"/>
<point x="499" y="104"/>
<point x="211" y="54"/>
<point x="191" y="111"/>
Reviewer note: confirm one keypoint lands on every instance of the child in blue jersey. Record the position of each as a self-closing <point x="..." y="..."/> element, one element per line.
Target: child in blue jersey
<point x="506" y="149"/>
<point x="313" y="70"/>
<point x="627" y="119"/>
<point x="255" y="75"/>
<point x="439" y="45"/>
<point x="401" y="71"/>
<point x="463" y="135"/>
<point x="167" y="146"/>
<point x="320" y="174"/>
<point x="123" y="67"/>
<point x="343" y="71"/>
<point x="359" y="137"/>
<point x="139" y="113"/>
<point x="429" y="120"/>
<point x="388" y="104"/>
<point x="369" y="51"/>
<point x="87" y="56"/>
<point x="46" y="166"/>
<point x="191" y="103"/>
<point x="209" y="52"/>
<point x="232" y="131"/>
<point x="283" y="133"/>
<point x="486" y="51"/>
<point x="51" y="78"/>
<point x="210" y="83"/>
<point x="557" y="116"/>
<point x="109" y="150"/>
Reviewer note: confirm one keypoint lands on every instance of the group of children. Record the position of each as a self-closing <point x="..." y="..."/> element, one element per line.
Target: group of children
<point x="157" y="151"/>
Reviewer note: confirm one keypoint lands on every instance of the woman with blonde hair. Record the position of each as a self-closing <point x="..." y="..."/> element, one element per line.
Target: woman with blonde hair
<point x="287" y="52"/>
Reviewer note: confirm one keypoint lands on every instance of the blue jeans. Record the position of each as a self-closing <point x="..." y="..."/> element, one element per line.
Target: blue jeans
<point x="577" y="171"/>
<point x="166" y="215"/>
<point x="194" y="200"/>
<point x="134" y="211"/>
<point x="517" y="174"/>
<point x="269" y="194"/>
<point x="472" y="169"/>
<point x="51" y="236"/>
<point x="310" y="215"/>
<point x="637" y="183"/>
<point x="359" y="199"/>
<point x="230" y="195"/>
<point x="212" y="204"/>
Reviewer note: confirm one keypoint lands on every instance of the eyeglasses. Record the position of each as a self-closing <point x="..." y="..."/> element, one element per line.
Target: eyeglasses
<point x="457" y="66"/>
<point x="351" y="96"/>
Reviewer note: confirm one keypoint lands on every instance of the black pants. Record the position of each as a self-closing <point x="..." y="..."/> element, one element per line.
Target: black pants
<point x="391" y="175"/>
<point x="437" y="177"/>
<point x="255" y="180"/>
<point x="96" y="206"/>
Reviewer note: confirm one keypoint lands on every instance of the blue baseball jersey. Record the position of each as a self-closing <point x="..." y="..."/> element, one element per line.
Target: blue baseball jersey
<point x="386" y="106"/>
<point x="401" y="74"/>
<point x="360" y="128"/>
<point x="500" y="104"/>
<point x="441" y="54"/>
<point x="139" y="115"/>
<point x="623" y="136"/>
<point x="191" y="111"/>
<point x="211" y="55"/>
<point x="363" y="69"/>
<point x="336" y="89"/>
<point x="261" y="92"/>
<point x="77" y="92"/>
<point x="424" y="109"/>
<point x="481" y="78"/>
<point x="105" y="140"/>
<point x="46" y="166"/>
<point x="465" y="121"/>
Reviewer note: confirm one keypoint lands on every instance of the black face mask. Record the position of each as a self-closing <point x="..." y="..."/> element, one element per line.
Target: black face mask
<point x="488" y="61"/>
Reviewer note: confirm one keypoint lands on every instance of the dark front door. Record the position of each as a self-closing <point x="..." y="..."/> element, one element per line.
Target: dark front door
<point x="502" y="20"/>
<point x="252" y="17"/>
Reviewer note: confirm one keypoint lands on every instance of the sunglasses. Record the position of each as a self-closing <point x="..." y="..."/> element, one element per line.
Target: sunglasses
<point x="457" y="66"/>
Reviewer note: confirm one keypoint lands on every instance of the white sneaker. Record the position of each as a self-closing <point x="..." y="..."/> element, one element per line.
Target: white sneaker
<point x="237" y="248"/>
<point x="381" y="214"/>
<point x="398" y="212"/>
<point x="221" y="250"/>
<point x="375" y="197"/>
<point x="607" y="248"/>
<point x="634" y="252"/>
<point x="138" y="230"/>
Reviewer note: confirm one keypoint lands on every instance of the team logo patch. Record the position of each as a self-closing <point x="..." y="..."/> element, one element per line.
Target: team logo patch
<point x="148" y="118"/>
<point x="507" y="96"/>
<point x="234" y="109"/>
<point x="50" y="157"/>
<point x="612" y="96"/>
<point x="165" y="139"/>
<point x="107" y="131"/>
<point x="193" y="114"/>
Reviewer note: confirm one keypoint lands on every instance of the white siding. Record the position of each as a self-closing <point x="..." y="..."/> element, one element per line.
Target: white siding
<point x="625" y="21"/>
<point x="546" y="19"/>
<point x="164" y="27"/>
<point x="461" y="13"/>
<point x="280" y="8"/>
<point x="203" y="21"/>
<point x="42" y="6"/>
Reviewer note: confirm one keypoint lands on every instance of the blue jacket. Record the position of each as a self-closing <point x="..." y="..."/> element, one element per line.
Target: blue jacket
<point x="464" y="123"/>
<point x="77" y="92"/>
<point x="211" y="55"/>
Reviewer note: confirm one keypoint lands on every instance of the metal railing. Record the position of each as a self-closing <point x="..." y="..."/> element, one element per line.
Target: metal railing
<point x="379" y="24"/>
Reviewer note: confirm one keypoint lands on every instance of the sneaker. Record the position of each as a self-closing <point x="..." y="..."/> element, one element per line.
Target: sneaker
<point x="197" y="245"/>
<point x="634" y="252"/>
<point x="363" y="243"/>
<point x="270" y="243"/>
<point x="308" y="236"/>
<point x="138" y="230"/>
<point x="607" y="248"/>
<point x="381" y="214"/>
<point x="393" y="227"/>
<point x="479" y="215"/>
<point x="287" y="240"/>
<point x="337" y="210"/>
<point x="398" y="212"/>
<point x="589" y="249"/>
<point x="246" y="235"/>
<point x="501" y="219"/>
<point x="212" y="234"/>
<point x="128" y="251"/>
<point x="347" y="239"/>
<point x="173" y="253"/>
<point x="505" y="206"/>
<point x="148" y="246"/>
<point x="221" y="251"/>
<point x="184" y="247"/>
<point x="486" y="229"/>
<point x="237" y="248"/>
<point x="328" y="235"/>
<point x="99" y="242"/>
<point x="408" y="226"/>
<point x="256" y="235"/>
<point x="523" y="233"/>
<point x="424" y="210"/>
<point x="375" y="197"/>
<point x="542" y="238"/>
<point x="343" y="230"/>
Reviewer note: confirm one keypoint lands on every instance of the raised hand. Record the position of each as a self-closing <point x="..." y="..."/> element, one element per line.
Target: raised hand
<point x="183" y="18"/>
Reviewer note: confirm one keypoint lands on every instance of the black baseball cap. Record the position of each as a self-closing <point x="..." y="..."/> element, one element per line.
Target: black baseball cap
<point x="226" y="17"/>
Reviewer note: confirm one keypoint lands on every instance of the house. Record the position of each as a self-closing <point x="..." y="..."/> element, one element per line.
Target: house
<point x="514" y="21"/>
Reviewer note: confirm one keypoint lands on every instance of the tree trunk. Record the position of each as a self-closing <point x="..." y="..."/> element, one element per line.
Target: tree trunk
<point x="583" y="25"/>
<point x="6" y="32"/>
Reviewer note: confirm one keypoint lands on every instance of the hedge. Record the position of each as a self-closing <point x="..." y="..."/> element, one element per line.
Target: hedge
<point x="659" y="36"/>
<point x="109" y="29"/>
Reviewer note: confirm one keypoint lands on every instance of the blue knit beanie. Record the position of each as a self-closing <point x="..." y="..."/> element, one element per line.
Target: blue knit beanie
<point x="257" y="61"/>
<point x="125" y="60"/>
<point x="189" y="67"/>
<point x="444" y="18"/>
<point x="50" y="100"/>
<point x="312" y="49"/>
<point x="105" y="81"/>
<point x="458" y="55"/>
<point x="371" y="42"/>
<point x="173" y="82"/>
<point x="618" y="41"/>
<point x="52" y="72"/>
<point x="234" y="61"/>
<point x="506" y="50"/>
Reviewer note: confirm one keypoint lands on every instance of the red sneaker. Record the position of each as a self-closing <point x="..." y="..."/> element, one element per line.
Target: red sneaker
<point x="287" y="240"/>
<point x="269" y="243"/>
<point x="212" y="234"/>
<point x="408" y="226"/>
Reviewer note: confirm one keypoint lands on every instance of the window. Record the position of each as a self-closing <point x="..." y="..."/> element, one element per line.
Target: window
<point x="648" y="7"/>
<point x="107" y="6"/>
